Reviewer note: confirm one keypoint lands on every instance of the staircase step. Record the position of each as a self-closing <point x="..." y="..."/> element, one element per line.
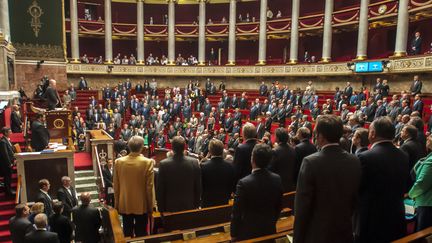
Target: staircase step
<point x="85" y="180"/>
<point x="6" y="214"/>
<point x="7" y="204"/>
<point x="84" y="173"/>
<point x="4" y="225"/>
<point x="4" y="235"/>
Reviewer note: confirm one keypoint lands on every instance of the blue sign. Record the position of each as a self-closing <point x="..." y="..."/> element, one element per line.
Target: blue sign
<point x="361" y="67"/>
<point x="368" y="67"/>
<point x="375" y="67"/>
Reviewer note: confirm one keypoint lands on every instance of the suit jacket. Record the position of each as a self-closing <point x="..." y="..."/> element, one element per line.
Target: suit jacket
<point x="47" y="201"/>
<point x="380" y="215"/>
<point x="40" y="136"/>
<point x="82" y="84"/>
<point x="327" y="190"/>
<point x="242" y="159"/>
<point x="87" y="221"/>
<point x="38" y="236"/>
<point x="69" y="200"/>
<point x="6" y="155"/>
<point x="18" y="228"/>
<point x="108" y="177"/>
<point x="416" y="87"/>
<point x="215" y="190"/>
<point x="134" y="175"/>
<point x="260" y="130"/>
<point x="257" y="205"/>
<point x="381" y="111"/>
<point x="15" y="123"/>
<point x="415" y="151"/>
<point x="52" y="98"/>
<point x="178" y="184"/>
<point x="418" y="106"/>
<point x="283" y="164"/>
<point x="61" y="225"/>
<point x="416" y="44"/>
<point x="406" y="111"/>
<point x="302" y="150"/>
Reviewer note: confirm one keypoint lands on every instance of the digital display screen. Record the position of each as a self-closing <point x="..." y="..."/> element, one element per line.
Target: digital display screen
<point x="368" y="67"/>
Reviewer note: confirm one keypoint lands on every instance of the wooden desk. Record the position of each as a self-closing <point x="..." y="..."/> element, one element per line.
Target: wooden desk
<point x="104" y="144"/>
<point x="35" y="166"/>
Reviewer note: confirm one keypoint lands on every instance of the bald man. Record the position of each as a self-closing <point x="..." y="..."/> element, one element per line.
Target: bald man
<point x="51" y="95"/>
<point x="86" y="220"/>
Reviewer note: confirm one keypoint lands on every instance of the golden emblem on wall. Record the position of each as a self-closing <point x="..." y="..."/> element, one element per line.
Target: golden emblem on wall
<point x="382" y="9"/>
<point x="58" y="123"/>
<point x="36" y="12"/>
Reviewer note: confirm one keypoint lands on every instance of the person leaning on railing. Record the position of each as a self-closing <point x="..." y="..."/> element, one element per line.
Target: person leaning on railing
<point x="421" y="191"/>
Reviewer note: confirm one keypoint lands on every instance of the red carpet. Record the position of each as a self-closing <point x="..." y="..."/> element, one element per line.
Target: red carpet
<point x="83" y="161"/>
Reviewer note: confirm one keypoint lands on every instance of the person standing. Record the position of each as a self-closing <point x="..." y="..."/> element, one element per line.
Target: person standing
<point x="82" y="85"/>
<point x="283" y="161"/>
<point x="44" y="197"/>
<point x="87" y="220"/>
<point x="51" y="95"/>
<point x="178" y="180"/>
<point x="416" y="44"/>
<point x="6" y="159"/>
<point x="60" y="224"/>
<point x="327" y="188"/>
<point x="40" y="134"/>
<point x="41" y="234"/>
<point x="19" y="225"/>
<point x="380" y="215"/>
<point x="242" y="157"/>
<point x="16" y="123"/>
<point x="108" y="173"/>
<point x="258" y="199"/>
<point x="214" y="190"/>
<point x="421" y="191"/>
<point x="67" y="195"/>
<point x="303" y="149"/>
<point x="416" y="86"/>
<point x="133" y="182"/>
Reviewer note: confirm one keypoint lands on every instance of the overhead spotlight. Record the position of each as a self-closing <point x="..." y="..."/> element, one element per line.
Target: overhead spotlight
<point x="351" y="66"/>
<point x="39" y="63"/>
<point x="110" y="68"/>
<point x="386" y="63"/>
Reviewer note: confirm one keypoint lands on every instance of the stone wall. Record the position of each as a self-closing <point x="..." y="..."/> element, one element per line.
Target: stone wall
<point x="29" y="76"/>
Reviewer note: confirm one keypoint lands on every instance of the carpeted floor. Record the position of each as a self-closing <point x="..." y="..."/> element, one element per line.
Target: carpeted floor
<point x="83" y="161"/>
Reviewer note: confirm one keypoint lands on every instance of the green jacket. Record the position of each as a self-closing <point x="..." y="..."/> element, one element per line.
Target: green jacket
<point x="421" y="191"/>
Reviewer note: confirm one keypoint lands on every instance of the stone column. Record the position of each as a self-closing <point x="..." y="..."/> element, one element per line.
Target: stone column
<point x="4" y="19"/>
<point x="362" y="40"/>
<point x="294" y="32"/>
<point x="402" y="29"/>
<point x="328" y="32"/>
<point x="108" y="32"/>
<point x="74" y="31"/>
<point x="140" y="32"/>
<point x="232" y="33"/>
<point x="262" y="49"/>
<point x="171" y="32"/>
<point x="201" y="32"/>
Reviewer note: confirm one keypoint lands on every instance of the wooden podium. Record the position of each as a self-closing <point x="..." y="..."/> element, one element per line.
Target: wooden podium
<point x="100" y="142"/>
<point x="31" y="167"/>
<point x="59" y="124"/>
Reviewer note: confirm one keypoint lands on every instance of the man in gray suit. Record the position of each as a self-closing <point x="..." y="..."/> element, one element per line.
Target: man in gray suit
<point x="327" y="188"/>
<point x="178" y="181"/>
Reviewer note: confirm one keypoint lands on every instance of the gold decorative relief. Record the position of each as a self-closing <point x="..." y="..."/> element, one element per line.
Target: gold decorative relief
<point x="36" y="12"/>
<point x="36" y="51"/>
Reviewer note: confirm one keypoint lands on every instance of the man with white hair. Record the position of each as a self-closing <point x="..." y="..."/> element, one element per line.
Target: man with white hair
<point x="51" y="95"/>
<point x="242" y="157"/>
<point x="67" y="195"/>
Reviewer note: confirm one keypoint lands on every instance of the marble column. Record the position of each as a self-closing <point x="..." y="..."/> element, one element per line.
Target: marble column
<point x="171" y="32"/>
<point x="294" y="32"/>
<point x="232" y="33"/>
<point x="74" y="31"/>
<point x="201" y="32"/>
<point x="262" y="49"/>
<point x="328" y="31"/>
<point x="4" y="19"/>
<point x="108" y="32"/>
<point x="140" y="32"/>
<point x="362" y="40"/>
<point x="402" y="29"/>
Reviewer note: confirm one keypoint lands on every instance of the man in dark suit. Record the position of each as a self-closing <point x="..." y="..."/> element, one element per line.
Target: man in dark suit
<point x="43" y="196"/>
<point x="406" y="110"/>
<point x="263" y="89"/>
<point x="19" y="225"/>
<point x="260" y="128"/>
<point x="416" y="86"/>
<point x="242" y="157"/>
<point x="283" y="161"/>
<point x="360" y="140"/>
<point x="179" y="180"/>
<point x="348" y="91"/>
<point x="51" y="95"/>
<point x="60" y="224"/>
<point x="327" y="188"/>
<point x="303" y="149"/>
<point x="108" y="180"/>
<point x="380" y="110"/>
<point x="258" y="199"/>
<point x="412" y="147"/>
<point x="418" y="104"/>
<point x="67" y="195"/>
<point x="214" y="190"/>
<point x="41" y="234"/>
<point x="82" y="85"/>
<point x="416" y="44"/>
<point x="86" y="220"/>
<point x="6" y="159"/>
<point x="16" y="123"/>
<point x="40" y="134"/>
<point x="380" y="215"/>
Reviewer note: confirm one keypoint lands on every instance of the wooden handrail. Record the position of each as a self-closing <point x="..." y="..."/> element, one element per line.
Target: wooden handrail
<point x="416" y="237"/>
<point x="99" y="168"/>
<point x="18" y="190"/>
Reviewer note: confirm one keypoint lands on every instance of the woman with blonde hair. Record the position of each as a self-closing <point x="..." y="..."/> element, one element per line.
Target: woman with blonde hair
<point x="36" y="209"/>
